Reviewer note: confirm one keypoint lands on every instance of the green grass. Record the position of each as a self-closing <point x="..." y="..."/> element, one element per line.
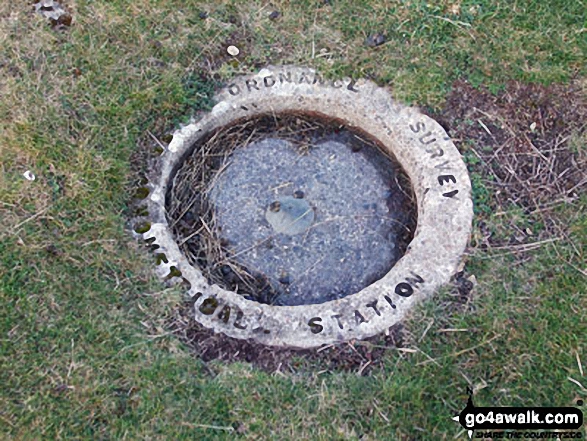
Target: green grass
<point x="84" y="351"/>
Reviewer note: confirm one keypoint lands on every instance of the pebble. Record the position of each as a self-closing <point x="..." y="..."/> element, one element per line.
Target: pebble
<point x="285" y="279"/>
<point x="232" y="50"/>
<point x="374" y="40"/>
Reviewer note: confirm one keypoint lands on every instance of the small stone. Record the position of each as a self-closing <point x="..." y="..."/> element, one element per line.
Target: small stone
<point x="225" y="270"/>
<point x="56" y="14"/>
<point x="64" y="20"/>
<point x="374" y="40"/>
<point x="232" y="50"/>
<point x="275" y="206"/>
<point x="455" y="9"/>
<point x="472" y="279"/>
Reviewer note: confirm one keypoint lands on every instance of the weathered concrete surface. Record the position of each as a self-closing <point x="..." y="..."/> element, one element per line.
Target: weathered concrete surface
<point x="338" y="238"/>
<point x="427" y="154"/>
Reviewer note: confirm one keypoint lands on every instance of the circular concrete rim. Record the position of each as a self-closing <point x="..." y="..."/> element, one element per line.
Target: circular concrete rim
<point x="438" y="175"/>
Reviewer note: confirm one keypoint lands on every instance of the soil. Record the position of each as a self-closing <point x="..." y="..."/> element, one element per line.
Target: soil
<point x="361" y="357"/>
<point x="521" y="138"/>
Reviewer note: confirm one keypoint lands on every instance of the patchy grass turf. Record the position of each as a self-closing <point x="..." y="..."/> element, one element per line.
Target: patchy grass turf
<point x="85" y="351"/>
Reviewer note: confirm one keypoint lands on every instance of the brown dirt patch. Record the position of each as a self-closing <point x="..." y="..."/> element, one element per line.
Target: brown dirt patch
<point x="361" y="357"/>
<point x="524" y="149"/>
<point x="521" y="137"/>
